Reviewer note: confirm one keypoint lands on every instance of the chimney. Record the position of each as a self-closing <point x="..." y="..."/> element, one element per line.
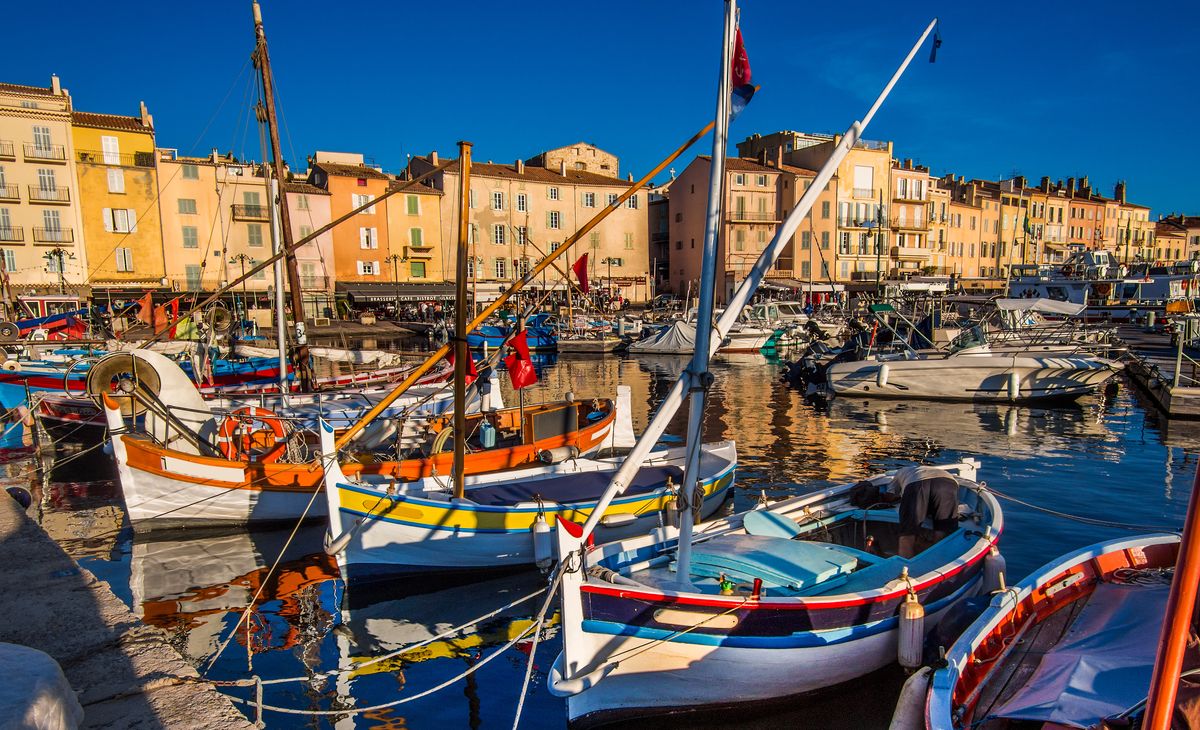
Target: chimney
<point x="1021" y="182"/>
<point x="215" y="155"/>
<point x="562" y="168"/>
<point x="433" y="158"/>
<point x="520" y="166"/>
<point x="779" y="156"/>
<point x="1119" y="191"/>
<point x="907" y="163"/>
<point x="1071" y="187"/>
<point x="55" y="85"/>
<point x="762" y="157"/>
<point x="1084" y="184"/>
<point x="630" y="178"/>
<point x="1045" y="186"/>
<point x="147" y="120"/>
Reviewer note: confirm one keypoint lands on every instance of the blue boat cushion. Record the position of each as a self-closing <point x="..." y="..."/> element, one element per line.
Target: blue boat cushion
<point x="770" y="524"/>
<point x="571" y="488"/>
<point x="780" y="563"/>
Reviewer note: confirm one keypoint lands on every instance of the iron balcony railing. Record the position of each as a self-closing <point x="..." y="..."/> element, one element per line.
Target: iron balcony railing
<point x="53" y="235"/>
<point x="250" y="213"/>
<point x="864" y="192"/>
<point x="7" y="151"/>
<point x="12" y="234"/>
<point x="38" y="194"/>
<point x="131" y="159"/>
<point x="753" y="217"/>
<point x="919" y="224"/>
<point x="53" y="153"/>
<point x="10" y="192"/>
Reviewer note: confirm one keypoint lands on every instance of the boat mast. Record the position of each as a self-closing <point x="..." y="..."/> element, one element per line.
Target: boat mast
<point x="266" y="111"/>
<point x="700" y="378"/>
<point x="461" y="353"/>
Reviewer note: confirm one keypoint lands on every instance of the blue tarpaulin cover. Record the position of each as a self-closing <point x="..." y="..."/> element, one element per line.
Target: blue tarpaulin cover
<point x="1102" y="666"/>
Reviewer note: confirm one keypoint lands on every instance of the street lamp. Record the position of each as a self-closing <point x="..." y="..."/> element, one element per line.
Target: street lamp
<point x="243" y="259"/>
<point x="395" y="259"/>
<point x="608" y="283"/>
<point x="54" y="262"/>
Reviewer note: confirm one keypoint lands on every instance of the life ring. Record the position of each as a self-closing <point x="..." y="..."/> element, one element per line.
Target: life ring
<point x="1103" y="289"/>
<point x="238" y="440"/>
<point x="1067" y="269"/>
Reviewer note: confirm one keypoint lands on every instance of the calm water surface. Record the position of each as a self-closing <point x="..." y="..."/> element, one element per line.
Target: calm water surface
<point x="1105" y="457"/>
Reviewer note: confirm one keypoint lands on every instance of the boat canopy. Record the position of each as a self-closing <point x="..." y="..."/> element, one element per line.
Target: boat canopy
<point x="1043" y="305"/>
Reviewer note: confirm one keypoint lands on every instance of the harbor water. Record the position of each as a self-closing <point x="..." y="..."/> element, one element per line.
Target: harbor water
<point x="1107" y="459"/>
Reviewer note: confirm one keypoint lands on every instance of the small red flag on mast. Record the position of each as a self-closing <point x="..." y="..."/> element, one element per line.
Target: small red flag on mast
<point x="580" y="269"/>
<point x="743" y="89"/>
<point x="520" y="365"/>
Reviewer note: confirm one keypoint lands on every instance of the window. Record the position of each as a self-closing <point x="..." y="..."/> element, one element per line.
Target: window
<point x="187" y="206"/>
<point x="552" y="193"/>
<point x="615" y="261"/>
<point x="471" y="268"/>
<point x="825" y="240"/>
<point x="740" y="240"/>
<point x="762" y="181"/>
<point x="612" y="198"/>
<point x="472" y="233"/>
<point x="116" y="220"/>
<point x="305" y="231"/>
<point x="501" y="268"/>
<point x="251" y="199"/>
<point x="632" y="203"/>
<point x="116" y="180"/>
<point x="739" y="179"/>
<point x="679" y="245"/>
<point x="497" y="200"/>
<point x="368" y="268"/>
<point x="825" y="209"/>
<point x="111" y="150"/>
<point x="52" y="224"/>
<point x="628" y="241"/>
<point x="52" y="265"/>
<point x="594" y="239"/>
<point x="191" y="172"/>
<point x="806" y="269"/>
<point x="470" y="198"/>
<point x="46" y="180"/>
<point x="124" y="259"/>
<point x="522" y="203"/>
<point x="521" y="266"/>
<point x="361" y="182"/>
<point x="589" y="200"/>
<point x="844" y="243"/>
<point x="254" y="234"/>
<point x="805" y="241"/>
<point x="10" y="260"/>
<point x="522" y="234"/>
<point x="368" y="238"/>
<point x="416" y="269"/>
<point x="301" y="202"/>
<point x="554" y="246"/>
<point x="553" y="220"/>
<point x="41" y="139"/>
<point x="498" y="234"/>
<point x="191" y="237"/>
<point x="416" y="237"/>
<point x="359" y="201"/>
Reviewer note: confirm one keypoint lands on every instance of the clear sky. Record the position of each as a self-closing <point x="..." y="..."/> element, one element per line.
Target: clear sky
<point x="1054" y="88"/>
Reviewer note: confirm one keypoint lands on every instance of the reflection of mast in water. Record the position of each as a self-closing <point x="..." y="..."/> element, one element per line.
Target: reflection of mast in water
<point x="471" y="691"/>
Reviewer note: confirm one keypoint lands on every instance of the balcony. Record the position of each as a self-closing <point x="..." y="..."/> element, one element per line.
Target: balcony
<point x="418" y="252"/>
<point x="135" y="159"/>
<point x="53" y="153"/>
<point x="10" y="192"/>
<point x="314" y="282"/>
<point x="742" y="216"/>
<point x="908" y="197"/>
<point x="906" y="224"/>
<point x="251" y="213"/>
<point x="909" y="253"/>
<point x="7" y="151"/>
<point x="53" y="235"/>
<point x="59" y="195"/>
<point x="12" y="234"/>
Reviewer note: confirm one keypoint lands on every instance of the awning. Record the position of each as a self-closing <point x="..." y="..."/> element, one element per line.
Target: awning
<point x="385" y="293"/>
<point x="1045" y="306"/>
<point x="789" y="284"/>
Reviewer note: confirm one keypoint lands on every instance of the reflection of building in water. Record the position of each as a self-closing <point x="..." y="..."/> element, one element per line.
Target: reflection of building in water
<point x="588" y="377"/>
<point x="189" y="587"/>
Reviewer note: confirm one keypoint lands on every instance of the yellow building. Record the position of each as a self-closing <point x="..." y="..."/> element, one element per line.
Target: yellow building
<point x="40" y="240"/>
<point x="118" y="199"/>
<point x="416" y="250"/>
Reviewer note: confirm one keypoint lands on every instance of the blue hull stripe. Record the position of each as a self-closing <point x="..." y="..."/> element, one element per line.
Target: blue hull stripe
<point x="807" y="639"/>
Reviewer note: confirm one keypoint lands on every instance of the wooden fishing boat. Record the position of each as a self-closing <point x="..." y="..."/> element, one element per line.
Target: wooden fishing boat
<point x="175" y="473"/>
<point x="1072" y="645"/>
<point x="782" y="601"/>
<point x="504" y="519"/>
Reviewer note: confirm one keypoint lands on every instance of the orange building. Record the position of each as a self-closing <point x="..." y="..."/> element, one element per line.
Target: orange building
<point x="360" y="245"/>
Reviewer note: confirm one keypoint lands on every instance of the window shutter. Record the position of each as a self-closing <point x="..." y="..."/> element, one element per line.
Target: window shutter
<point x="108" y="220"/>
<point x="375" y="239"/>
<point x="362" y="242"/>
<point x="132" y="220"/>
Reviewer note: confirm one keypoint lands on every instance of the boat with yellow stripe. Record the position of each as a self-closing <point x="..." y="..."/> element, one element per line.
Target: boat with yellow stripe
<point x="380" y="527"/>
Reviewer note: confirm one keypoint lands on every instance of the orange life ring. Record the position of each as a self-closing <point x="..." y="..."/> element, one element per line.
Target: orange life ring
<point x="238" y="440"/>
<point x="1103" y="289"/>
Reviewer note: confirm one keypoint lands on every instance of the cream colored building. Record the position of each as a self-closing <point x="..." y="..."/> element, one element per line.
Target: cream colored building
<point x="41" y="241"/>
<point x="522" y="211"/>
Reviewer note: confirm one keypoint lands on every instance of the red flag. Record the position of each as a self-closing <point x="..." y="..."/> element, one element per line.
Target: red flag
<point x="743" y="89"/>
<point x="146" y="311"/>
<point x="520" y="365"/>
<point x="472" y="373"/>
<point x="580" y="269"/>
<point x="174" y="305"/>
<point x="160" y="318"/>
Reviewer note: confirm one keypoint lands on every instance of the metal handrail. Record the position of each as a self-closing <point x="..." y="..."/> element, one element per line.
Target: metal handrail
<point x="53" y="152"/>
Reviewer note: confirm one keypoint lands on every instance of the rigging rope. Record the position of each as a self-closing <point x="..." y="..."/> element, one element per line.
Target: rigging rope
<point x="1094" y="521"/>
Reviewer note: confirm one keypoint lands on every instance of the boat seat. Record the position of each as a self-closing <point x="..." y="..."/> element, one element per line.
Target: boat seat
<point x="792" y="565"/>
<point x="868" y="578"/>
<point x="770" y="524"/>
<point x="570" y="488"/>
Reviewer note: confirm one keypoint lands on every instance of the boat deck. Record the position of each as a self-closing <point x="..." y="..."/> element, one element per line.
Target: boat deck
<point x="1152" y="366"/>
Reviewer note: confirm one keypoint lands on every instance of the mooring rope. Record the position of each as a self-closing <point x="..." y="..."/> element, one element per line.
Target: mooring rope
<point x="1094" y="521"/>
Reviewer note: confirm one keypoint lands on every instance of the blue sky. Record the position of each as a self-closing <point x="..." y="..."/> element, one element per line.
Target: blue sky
<point x="1058" y="89"/>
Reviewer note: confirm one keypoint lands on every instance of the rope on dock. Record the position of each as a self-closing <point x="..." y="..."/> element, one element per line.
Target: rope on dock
<point x="1094" y="521"/>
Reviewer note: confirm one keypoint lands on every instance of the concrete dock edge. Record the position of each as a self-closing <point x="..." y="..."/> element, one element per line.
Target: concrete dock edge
<point x="123" y="671"/>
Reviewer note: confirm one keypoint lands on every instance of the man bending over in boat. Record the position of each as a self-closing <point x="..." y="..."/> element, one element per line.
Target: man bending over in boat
<point x="924" y="491"/>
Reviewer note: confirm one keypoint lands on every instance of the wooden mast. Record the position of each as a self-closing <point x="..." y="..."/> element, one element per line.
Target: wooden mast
<point x="262" y="61"/>
<point x="461" y="353"/>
